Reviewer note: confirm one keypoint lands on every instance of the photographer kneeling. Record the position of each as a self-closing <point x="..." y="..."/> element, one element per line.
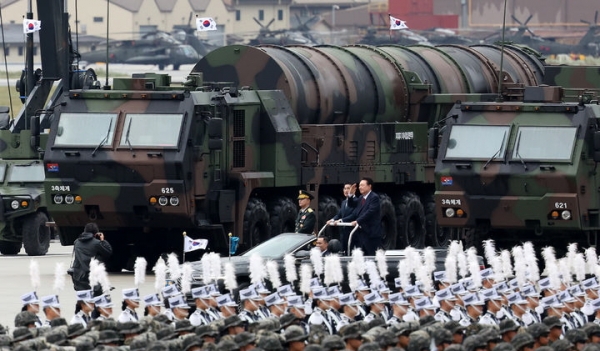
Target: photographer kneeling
<point x="90" y="244"/>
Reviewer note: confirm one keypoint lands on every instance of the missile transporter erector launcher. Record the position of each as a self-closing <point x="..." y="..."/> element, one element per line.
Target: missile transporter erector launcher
<point x="229" y="150"/>
<point x="510" y="169"/>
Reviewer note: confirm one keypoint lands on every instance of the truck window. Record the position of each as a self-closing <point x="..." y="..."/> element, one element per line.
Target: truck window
<point x="544" y="144"/>
<point x="2" y="172"/>
<point x="85" y="129"/>
<point x="140" y="130"/>
<point x="470" y="142"/>
<point x="26" y="173"/>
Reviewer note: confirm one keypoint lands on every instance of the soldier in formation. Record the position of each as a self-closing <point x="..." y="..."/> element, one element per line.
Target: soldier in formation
<point x="503" y="308"/>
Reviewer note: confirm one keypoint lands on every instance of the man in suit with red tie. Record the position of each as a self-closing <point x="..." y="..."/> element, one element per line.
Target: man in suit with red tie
<point x="367" y="215"/>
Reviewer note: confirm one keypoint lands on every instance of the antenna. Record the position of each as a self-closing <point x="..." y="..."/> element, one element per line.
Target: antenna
<point x="106" y="86"/>
<point x="501" y="75"/>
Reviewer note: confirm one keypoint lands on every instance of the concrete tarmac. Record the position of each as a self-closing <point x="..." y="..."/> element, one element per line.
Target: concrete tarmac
<point x="15" y="281"/>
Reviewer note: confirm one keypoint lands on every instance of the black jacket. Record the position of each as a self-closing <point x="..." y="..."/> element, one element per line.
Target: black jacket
<point x="85" y="248"/>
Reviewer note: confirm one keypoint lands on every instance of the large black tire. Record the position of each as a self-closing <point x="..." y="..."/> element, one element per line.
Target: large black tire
<point x="436" y="235"/>
<point x="257" y="227"/>
<point x="36" y="236"/>
<point x="283" y="213"/>
<point x="388" y="223"/>
<point x="175" y="67"/>
<point x="475" y="237"/>
<point x="9" y="247"/>
<point x="328" y="208"/>
<point x="410" y="220"/>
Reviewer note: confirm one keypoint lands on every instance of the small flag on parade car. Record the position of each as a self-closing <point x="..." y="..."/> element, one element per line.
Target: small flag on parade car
<point x="205" y="23"/>
<point x="396" y="24"/>
<point x="190" y="244"/>
<point x="31" y="26"/>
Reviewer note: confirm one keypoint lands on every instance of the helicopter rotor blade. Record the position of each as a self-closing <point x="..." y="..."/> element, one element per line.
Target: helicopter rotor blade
<point x="528" y="19"/>
<point x="257" y="21"/>
<point x="596" y="17"/>
<point x="516" y="19"/>
<point x="270" y="22"/>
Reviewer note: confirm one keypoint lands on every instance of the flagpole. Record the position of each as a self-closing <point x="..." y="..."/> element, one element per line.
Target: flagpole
<point x="230" y="245"/>
<point x="390" y="31"/>
<point x="184" y="235"/>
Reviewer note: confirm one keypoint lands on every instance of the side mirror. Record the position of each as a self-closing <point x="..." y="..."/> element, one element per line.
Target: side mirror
<point x="432" y="143"/>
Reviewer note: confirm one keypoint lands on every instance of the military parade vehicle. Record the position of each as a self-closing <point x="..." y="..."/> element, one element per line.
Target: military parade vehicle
<point x="229" y="150"/>
<point x="23" y="210"/>
<point x="524" y="168"/>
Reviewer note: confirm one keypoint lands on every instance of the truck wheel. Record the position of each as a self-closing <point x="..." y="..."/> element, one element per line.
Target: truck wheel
<point x="388" y="222"/>
<point x="328" y="208"/>
<point x="9" y="247"/>
<point x="410" y="220"/>
<point x="161" y="66"/>
<point x="436" y="236"/>
<point x="283" y="213"/>
<point x="175" y="67"/>
<point x="256" y="223"/>
<point x="475" y="237"/>
<point x="36" y="236"/>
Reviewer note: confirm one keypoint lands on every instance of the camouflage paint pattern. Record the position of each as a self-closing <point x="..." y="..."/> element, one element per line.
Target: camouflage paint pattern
<point x="292" y="118"/>
<point x="515" y="193"/>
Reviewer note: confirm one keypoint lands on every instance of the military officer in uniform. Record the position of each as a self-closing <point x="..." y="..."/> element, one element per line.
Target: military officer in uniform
<point x="306" y="220"/>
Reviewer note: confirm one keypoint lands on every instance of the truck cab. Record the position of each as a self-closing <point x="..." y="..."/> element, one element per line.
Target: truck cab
<point x="518" y="167"/>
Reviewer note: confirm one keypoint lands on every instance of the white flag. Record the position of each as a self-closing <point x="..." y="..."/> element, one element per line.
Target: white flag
<point x="190" y="244"/>
<point x="205" y="23"/>
<point x="31" y="26"/>
<point x="396" y="24"/>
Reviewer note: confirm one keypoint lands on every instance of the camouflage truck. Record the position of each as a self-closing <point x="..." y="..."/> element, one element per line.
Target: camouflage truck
<point x="525" y="168"/>
<point x="229" y="150"/>
<point x="23" y="210"/>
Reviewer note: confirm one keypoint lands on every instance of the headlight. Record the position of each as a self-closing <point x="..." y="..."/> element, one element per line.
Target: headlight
<point x="450" y="212"/>
<point x="69" y="199"/>
<point x="163" y="201"/>
<point x="174" y="201"/>
<point x="14" y="204"/>
<point x="58" y="199"/>
<point x="566" y="215"/>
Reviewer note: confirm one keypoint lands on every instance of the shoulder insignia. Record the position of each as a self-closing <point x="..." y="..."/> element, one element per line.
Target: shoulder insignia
<point x="310" y="210"/>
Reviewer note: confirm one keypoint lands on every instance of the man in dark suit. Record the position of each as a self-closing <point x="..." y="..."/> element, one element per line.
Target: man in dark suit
<point x="323" y="244"/>
<point x="366" y="214"/>
<point x="344" y="211"/>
